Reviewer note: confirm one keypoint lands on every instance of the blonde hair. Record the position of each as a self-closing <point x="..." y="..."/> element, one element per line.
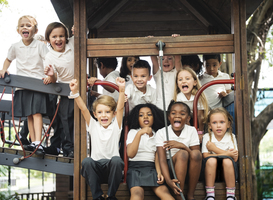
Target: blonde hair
<point x="31" y="19"/>
<point x="194" y="89"/>
<point x="105" y="100"/>
<point x="226" y="114"/>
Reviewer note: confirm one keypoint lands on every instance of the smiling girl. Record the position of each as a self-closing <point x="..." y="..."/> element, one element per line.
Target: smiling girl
<point x="186" y="86"/>
<point x="29" y="54"/>
<point x="185" y="149"/>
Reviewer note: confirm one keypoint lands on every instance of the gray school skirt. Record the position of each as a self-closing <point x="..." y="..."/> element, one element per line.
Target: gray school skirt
<point x="141" y="173"/>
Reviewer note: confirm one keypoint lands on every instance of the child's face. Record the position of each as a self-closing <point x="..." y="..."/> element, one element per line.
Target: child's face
<point x="130" y="62"/>
<point x="26" y="29"/>
<point x="104" y="114"/>
<point x="185" y="82"/>
<point x="178" y="117"/>
<point x="145" y="117"/>
<point x="168" y="63"/>
<point x="140" y="77"/>
<point x="212" y="66"/>
<point x="219" y="124"/>
<point x="57" y="39"/>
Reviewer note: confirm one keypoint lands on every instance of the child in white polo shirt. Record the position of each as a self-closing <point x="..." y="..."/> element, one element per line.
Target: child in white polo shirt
<point x="105" y="164"/>
<point x="214" y="93"/>
<point x="140" y="91"/>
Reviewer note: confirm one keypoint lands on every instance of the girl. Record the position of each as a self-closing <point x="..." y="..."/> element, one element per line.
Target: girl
<point x="194" y="62"/>
<point x="144" y="169"/>
<point x="29" y="54"/>
<point x="104" y="164"/>
<point x="59" y="64"/>
<point x="186" y="86"/>
<point x="219" y="147"/>
<point x="126" y="68"/>
<point x="185" y="149"/>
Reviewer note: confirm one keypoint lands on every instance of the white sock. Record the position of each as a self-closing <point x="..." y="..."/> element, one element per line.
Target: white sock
<point x="230" y="192"/>
<point x="210" y="192"/>
<point x="36" y="142"/>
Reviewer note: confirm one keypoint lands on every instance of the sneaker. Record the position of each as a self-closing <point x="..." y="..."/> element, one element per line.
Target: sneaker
<point x="111" y="198"/>
<point x="29" y="147"/>
<point x="40" y="151"/>
<point x="52" y="150"/>
<point x="23" y="140"/>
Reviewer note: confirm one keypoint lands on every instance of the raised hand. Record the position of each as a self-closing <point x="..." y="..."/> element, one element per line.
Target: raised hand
<point x="74" y="86"/>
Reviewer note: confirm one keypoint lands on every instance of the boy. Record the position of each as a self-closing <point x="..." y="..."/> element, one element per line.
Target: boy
<point x="107" y="67"/>
<point x="214" y="93"/>
<point x="139" y="92"/>
<point x="104" y="164"/>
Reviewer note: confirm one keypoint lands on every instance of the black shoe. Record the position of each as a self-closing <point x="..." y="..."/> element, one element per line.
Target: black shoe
<point x="40" y="151"/>
<point x="51" y="150"/>
<point x="23" y="140"/>
<point x="71" y="154"/>
<point x="111" y="198"/>
<point x="29" y="147"/>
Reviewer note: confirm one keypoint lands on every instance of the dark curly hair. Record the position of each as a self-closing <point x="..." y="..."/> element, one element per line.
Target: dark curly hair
<point x="133" y="119"/>
<point x="124" y="71"/>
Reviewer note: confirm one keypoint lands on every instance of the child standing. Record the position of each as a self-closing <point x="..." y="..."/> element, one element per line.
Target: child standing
<point x="104" y="164"/>
<point x="186" y="86"/>
<point x="220" y="148"/>
<point x="29" y="54"/>
<point x="59" y="64"/>
<point x="194" y="62"/>
<point x="214" y="93"/>
<point x="126" y="68"/>
<point x="140" y="92"/>
<point x="185" y="149"/>
<point x="144" y="169"/>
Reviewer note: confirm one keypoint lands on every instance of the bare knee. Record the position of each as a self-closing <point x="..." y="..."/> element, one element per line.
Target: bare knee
<point x="137" y="193"/>
<point x="196" y="155"/>
<point x="211" y="162"/>
<point x="227" y="163"/>
<point x="182" y="155"/>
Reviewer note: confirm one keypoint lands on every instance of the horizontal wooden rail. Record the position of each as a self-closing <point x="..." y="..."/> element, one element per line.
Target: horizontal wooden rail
<point x="144" y="46"/>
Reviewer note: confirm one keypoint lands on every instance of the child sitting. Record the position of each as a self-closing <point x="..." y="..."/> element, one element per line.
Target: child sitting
<point x="214" y="93"/>
<point x="104" y="164"/>
<point x="144" y="169"/>
<point x="140" y="92"/>
<point x="219" y="147"/>
<point x="185" y="149"/>
<point x="107" y="67"/>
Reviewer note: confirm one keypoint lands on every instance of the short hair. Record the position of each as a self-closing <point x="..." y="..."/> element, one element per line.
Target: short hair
<point x="107" y="62"/>
<point x="54" y="25"/>
<point x="105" y="100"/>
<point x="31" y="19"/>
<point x="142" y="64"/>
<point x="212" y="56"/>
<point x="172" y="103"/>
<point x="193" y="61"/>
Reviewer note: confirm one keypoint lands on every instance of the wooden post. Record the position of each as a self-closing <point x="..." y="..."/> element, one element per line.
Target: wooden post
<point x="80" y="74"/>
<point x="238" y="24"/>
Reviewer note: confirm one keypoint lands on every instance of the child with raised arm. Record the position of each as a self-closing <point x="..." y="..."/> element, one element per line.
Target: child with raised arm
<point x="214" y="93"/>
<point x="126" y="68"/>
<point x="144" y="169"/>
<point x="219" y="148"/>
<point x="140" y="92"/>
<point x="29" y="54"/>
<point x="186" y="86"/>
<point x="105" y="164"/>
<point x="185" y="150"/>
<point x="59" y="64"/>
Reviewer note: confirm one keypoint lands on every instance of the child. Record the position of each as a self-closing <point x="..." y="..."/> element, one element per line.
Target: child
<point x="107" y="67"/>
<point x="126" y="68"/>
<point x="104" y="163"/>
<point x="186" y="86"/>
<point x="194" y="62"/>
<point x="139" y="92"/>
<point x="59" y="64"/>
<point x="144" y="169"/>
<point x="185" y="149"/>
<point x="214" y="93"/>
<point x="29" y="54"/>
<point x="220" y="148"/>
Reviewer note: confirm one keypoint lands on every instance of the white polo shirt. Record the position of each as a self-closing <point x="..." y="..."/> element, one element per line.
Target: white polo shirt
<point x="136" y="97"/>
<point x="225" y="144"/>
<point x="146" y="149"/>
<point x="211" y="92"/>
<point x="169" y="84"/>
<point x="181" y="97"/>
<point x="104" y="142"/>
<point x="62" y="62"/>
<point x="29" y="59"/>
<point x="111" y="77"/>
<point x="188" y="137"/>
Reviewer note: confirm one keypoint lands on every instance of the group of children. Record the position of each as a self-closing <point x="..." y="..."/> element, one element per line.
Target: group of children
<point x="147" y="144"/>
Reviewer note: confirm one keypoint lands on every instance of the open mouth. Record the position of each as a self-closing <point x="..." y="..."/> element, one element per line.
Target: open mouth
<point x="177" y="123"/>
<point x="185" y="87"/>
<point x="25" y="33"/>
<point x="104" y="120"/>
<point x="146" y="122"/>
<point x="59" y="44"/>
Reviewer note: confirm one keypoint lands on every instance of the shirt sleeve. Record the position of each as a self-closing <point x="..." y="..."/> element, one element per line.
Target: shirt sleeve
<point x="128" y="90"/>
<point x="194" y="137"/>
<point x="204" y="143"/>
<point x="11" y="53"/>
<point x="131" y="136"/>
<point x="43" y="50"/>
<point x="159" y="138"/>
<point x="235" y="141"/>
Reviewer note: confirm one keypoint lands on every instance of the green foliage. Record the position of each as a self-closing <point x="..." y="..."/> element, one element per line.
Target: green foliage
<point x="3" y="3"/>
<point x="8" y="196"/>
<point x="3" y="170"/>
<point x="265" y="182"/>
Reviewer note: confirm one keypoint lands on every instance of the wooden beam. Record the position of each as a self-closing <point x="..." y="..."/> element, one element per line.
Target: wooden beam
<point x="109" y="47"/>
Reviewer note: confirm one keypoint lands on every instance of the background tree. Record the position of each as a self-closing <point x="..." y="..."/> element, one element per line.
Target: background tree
<point x="3" y="3"/>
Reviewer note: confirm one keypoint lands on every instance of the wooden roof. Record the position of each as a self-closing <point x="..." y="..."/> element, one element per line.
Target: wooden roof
<point x="139" y="18"/>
